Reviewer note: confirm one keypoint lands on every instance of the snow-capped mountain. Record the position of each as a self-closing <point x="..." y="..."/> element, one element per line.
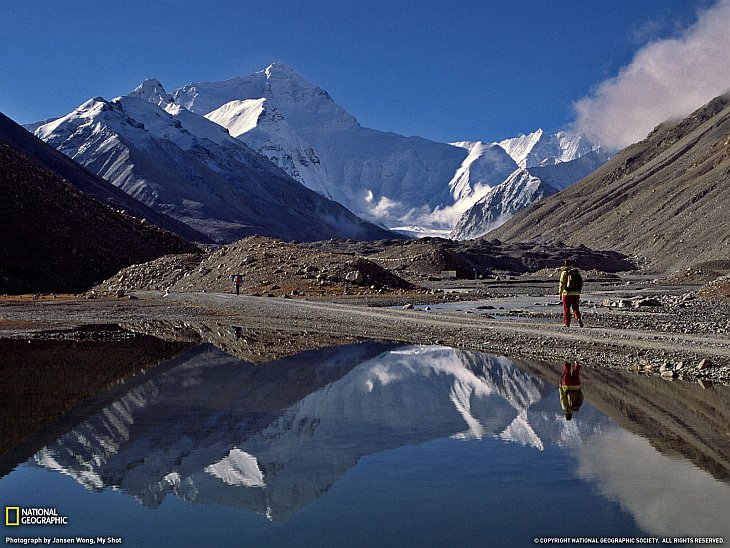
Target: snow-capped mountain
<point x="485" y="166"/>
<point x="247" y="436"/>
<point x="522" y="188"/>
<point x="410" y="184"/>
<point x="190" y="168"/>
<point x="384" y="177"/>
<point x="518" y="191"/>
<point x="541" y="149"/>
<point x="381" y="176"/>
<point x="151" y="90"/>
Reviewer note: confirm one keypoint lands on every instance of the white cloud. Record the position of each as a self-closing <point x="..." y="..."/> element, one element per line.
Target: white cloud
<point x="443" y="218"/>
<point x="667" y="79"/>
<point x="666" y="495"/>
<point x="383" y="207"/>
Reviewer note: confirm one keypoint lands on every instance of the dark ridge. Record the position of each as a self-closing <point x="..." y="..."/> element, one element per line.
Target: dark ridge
<point x="57" y="239"/>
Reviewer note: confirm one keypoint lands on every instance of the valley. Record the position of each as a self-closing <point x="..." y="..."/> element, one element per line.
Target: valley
<point x="300" y="274"/>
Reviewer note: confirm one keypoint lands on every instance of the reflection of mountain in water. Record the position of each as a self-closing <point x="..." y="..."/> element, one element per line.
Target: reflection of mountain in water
<point x="213" y="429"/>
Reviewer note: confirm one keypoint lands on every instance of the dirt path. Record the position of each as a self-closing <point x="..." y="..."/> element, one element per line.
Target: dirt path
<point x="616" y="347"/>
<point x="397" y="320"/>
<point x="608" y="346"/>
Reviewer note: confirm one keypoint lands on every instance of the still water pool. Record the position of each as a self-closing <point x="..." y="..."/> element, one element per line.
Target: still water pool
<point x="372" y="444"/>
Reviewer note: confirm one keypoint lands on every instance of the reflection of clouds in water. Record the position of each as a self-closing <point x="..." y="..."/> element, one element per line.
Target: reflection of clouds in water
<point x="666" y="496"/>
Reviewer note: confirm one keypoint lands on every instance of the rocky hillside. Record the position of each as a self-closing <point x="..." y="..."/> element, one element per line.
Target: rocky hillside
<point x="87" y="182"/>
<point x="57" y="239"/>
<point x="269" y="267"/>
<point x="418" y="259"/>
<point x="336" y="267"/>
<point x="663" y="200"/>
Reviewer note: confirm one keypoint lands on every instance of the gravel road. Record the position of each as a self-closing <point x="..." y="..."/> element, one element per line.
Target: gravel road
<point x="671" y="342"/>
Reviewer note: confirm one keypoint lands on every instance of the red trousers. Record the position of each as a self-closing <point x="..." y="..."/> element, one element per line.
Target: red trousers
<point x="568" y="302"/>
<point x="571" y="377"/>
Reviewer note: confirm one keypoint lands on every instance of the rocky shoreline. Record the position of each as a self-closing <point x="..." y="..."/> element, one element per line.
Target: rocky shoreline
<point x="639" y="327"/>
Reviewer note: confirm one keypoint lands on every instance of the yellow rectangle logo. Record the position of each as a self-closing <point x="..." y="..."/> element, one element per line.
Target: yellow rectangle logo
<point x="9" y="519"/>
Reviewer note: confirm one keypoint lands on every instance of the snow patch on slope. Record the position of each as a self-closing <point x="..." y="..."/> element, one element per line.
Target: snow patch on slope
<point x="238" y="468"/>
<point x="238" y="116"/>
<point x="262" y="127"/>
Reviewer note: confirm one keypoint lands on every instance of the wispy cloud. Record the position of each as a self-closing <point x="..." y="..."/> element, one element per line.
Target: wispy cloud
<point x="666" y="79"/>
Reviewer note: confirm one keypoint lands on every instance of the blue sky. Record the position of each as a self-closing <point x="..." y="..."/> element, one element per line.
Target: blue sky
<point x="443" y="70"/>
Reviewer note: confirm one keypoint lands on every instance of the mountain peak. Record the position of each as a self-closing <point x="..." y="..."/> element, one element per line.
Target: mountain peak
<point x="277" y="68"/>
<point x="539" y="148"/>
<point x="151" y="90"/>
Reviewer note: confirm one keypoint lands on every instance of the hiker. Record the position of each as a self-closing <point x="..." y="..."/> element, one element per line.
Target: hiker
<point x="571" y="395"/>
<point x="237" y="279"/>
<point x="571" y="284"/>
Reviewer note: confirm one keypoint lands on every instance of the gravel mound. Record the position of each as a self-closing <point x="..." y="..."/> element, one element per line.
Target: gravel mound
<point x="268" y="267"/>
<point x="419" y="259"/>
<point x="160" y="274"/>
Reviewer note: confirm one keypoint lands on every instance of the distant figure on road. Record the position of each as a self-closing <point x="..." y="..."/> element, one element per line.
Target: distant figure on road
<point x="571" y="395"/>
<point x="571" y="284"/>
<point x="237" y="279"/>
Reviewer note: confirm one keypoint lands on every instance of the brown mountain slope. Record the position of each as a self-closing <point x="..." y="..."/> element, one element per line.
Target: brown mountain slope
<point x="664" y="200"/>
<point x="55" y="238"/>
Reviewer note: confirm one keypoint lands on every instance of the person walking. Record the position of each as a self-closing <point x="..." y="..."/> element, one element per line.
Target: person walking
<point x="571" y="394"/>
<point x="237" y="280"/>
<point x="571" y="285"/>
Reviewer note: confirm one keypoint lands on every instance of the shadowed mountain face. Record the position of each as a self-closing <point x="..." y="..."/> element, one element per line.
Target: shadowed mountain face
<point x="87" y="182"/>
<point x="664" y="200"/>
<point x="57" y="239"/>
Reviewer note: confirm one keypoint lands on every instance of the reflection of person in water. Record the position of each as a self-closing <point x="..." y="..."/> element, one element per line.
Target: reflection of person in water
<point x="571" y="396"/>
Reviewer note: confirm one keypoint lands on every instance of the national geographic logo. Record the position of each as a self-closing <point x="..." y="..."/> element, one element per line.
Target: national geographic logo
<point x="15" y="516"/>
<point x="12" y="515"/>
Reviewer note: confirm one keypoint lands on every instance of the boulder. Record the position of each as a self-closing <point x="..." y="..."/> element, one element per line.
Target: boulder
<point x="355" y="276"/>
<point x="646" y="302"/>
